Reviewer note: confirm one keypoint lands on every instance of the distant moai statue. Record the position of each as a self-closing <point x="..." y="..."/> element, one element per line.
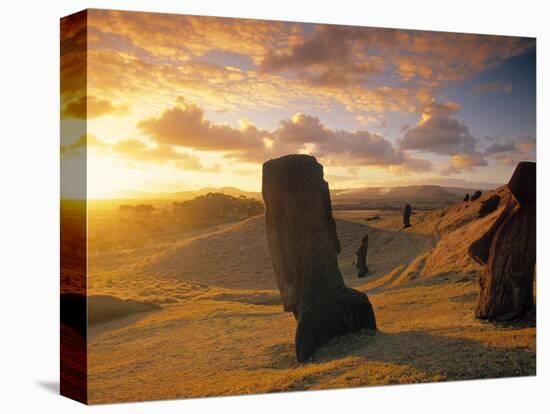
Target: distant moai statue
<point x="476" y="195"/>
<point x="361" y="253"/>
<point x="304" y="248"/>
<point x="467" y="197"/>
<point x="508" y="251"/>
<point x="407" y="216"/>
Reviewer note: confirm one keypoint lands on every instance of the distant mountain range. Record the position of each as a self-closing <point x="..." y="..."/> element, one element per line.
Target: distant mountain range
<point x="428" y="192"/>
<point x="186" y="195"/>
<point x="412" y="192"/>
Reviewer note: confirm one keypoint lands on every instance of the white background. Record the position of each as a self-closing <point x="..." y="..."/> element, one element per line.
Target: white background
<point x="29" y="222"/>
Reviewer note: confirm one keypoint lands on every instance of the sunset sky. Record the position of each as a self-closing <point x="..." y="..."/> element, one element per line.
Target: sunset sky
<point x="181" y="102"/>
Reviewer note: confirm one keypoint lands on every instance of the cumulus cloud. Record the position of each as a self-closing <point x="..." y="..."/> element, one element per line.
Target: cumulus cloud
<point x="341" y="55"/>
<point x="332" y="56"/>
<point x="88" y="107"/>
<point x="358" y="147"/>
<point x="439" y="132"/>
<point x="492" y="87"/>
<point x="301" y="129"/>
<point x="412" y="165"/>
<point x="497" y="147"/>
<point x="511" y="151"/>
<point x="185" y="125"/>
<point x="320" y="64"/>
<point x="462" y="162"/>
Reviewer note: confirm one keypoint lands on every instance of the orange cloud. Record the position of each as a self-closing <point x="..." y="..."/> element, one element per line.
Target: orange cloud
<point x="464" y="161"/>
<point x="136" y="150"/>
<point x="88" y="107"/>
<point x="180" y="37"/>
<point x="429" y="57"/>
<point x="73" y="56"/>
<point x="461" y="162"/>
<point x="331" y="56"/>
<point x="439" y="132"/>
<point x="185" y="125"/>
<point x="125" y="49"/>
<point x="511" y="151"/>
<point x="81" y="145"/>
<point x="132" y="53"/>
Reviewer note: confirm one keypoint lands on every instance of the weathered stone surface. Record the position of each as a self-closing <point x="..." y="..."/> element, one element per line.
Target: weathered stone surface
<point x="508" y="251"/>
<point x="407" y="216"/>
<point x="467" y="197"/>
<point x="361" y="253"/>
<point x="489" y="205"/>
<point x="304" y="247"/>
<point x="475" y="195"/>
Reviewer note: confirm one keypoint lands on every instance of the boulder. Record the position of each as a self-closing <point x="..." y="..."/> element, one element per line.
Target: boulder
<point x="508" y="252"/>
<point x="304" y="248"/>
<point x="467" y="197"/>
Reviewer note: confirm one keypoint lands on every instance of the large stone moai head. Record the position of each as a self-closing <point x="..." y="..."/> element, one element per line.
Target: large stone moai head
<point x="304" y="248"/>
<point x="301" y="231"/>
<point x="508" y="251"/>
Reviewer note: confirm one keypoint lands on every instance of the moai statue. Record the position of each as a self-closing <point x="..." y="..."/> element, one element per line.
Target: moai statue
<point x="361" y="253"/>
<point x="304" y="248"/>
<point x="407" y="216"/>
<point x="475" y="195"/>
<point x="467" y="197"/>
<point x="508" y="251"/>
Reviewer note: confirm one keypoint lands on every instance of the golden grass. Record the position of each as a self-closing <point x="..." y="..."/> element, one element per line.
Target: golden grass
<point x="204" y="347"/>
<point x="232" y="337"/>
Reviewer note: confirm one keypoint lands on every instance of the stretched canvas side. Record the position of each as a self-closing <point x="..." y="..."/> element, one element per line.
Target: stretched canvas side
<point x="73" y="203"/>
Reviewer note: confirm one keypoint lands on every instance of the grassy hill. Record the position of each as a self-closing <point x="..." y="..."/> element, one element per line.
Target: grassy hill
<point x="221" y="329"/>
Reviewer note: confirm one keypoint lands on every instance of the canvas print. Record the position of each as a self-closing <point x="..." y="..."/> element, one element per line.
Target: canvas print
<point x="253" y="206"/>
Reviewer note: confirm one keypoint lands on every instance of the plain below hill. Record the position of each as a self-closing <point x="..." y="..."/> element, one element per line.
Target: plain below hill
<point x="425" y="197"/>
<point x="237" y="256"/>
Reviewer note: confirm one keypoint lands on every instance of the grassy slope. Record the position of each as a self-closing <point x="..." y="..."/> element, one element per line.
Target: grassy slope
<point x="221" y="334"/>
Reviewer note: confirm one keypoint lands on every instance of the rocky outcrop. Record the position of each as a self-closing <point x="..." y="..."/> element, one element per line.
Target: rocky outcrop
<point x="407" y="216"/>
<point x="304" y="248"/>
<point x="467" y="197"/>
<point x="489" y="205"/>
<point x="361" y="253"/>
<point x="475" y="195"/>
<point x="508" y="251"/>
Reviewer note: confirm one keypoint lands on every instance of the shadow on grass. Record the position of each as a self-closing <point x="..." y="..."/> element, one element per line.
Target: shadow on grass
<point x="451" y="358"/>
